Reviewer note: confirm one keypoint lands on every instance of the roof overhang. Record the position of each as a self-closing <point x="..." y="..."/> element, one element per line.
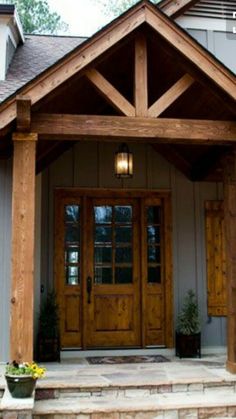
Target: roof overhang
<point x="175" y="8"/>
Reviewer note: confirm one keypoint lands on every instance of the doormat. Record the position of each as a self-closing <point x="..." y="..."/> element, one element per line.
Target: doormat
<point x="136" y="359"/>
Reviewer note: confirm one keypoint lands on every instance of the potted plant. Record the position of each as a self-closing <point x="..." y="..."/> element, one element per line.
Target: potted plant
<point x="21" y="378"/>
<point x="188" y="336"/>
<point x="48" y="344"/>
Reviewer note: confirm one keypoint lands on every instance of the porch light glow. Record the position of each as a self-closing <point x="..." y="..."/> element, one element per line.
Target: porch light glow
<point x="123" y="162"/>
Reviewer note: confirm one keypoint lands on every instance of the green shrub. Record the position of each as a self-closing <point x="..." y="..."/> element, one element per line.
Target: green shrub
<point x="188" y="322"/>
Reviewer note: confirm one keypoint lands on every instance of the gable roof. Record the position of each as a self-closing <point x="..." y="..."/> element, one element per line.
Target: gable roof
<point x="38" y="53"/>
<point x="88" y="51"/>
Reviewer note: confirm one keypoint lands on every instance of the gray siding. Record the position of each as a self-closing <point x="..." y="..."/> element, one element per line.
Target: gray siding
<point x="220" y="44"/>
<point x="91" y="165"/>
<point x="5" y="251"/>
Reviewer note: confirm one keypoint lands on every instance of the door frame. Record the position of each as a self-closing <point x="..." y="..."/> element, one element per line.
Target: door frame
<point x="165" y="196"/>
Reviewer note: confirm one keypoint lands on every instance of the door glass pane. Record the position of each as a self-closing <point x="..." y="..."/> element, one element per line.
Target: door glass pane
<point x="103" y="275"/>
<point x="113" y="253"/>
<point x="73" y="270"/>
<point x="123" y="214"/>
<point x="153" y="221"/>
<point x="72" y="275"/>
<point x="72" y="234"/>
<point x="103" y="254"/>
<point x="154" y="254"/>
<point x="72" y="213"/>
<point x="103" y="235"/>
<point x="154" y="274"/>
<point x="123" y="234"/>
<point x="154" y="215"/>
<point x="123" y="255"/>
<point x="124" y="275"/>
<point x="72" y="255"/>
<point x="153" y="234"/>
<point x="72" y="244"/>
<point x="103" y="214"/>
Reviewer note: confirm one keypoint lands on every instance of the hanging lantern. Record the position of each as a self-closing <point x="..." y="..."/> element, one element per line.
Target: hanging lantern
<point x="123" y="162"/>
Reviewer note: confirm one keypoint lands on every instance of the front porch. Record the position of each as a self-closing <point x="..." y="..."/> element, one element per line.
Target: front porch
<point x="177" y="389"/>
<point x="178" y="118"/>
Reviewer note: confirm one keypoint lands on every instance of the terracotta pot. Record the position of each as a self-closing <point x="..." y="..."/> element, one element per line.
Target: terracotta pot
<point x="20" y="386"/>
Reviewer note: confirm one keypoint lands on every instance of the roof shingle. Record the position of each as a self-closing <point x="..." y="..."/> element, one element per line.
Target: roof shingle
<point x="37" y="54"/>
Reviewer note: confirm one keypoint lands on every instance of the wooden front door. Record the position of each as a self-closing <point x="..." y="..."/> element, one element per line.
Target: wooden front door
<point x="112" y="280"/>
<point x="113" y="273"/>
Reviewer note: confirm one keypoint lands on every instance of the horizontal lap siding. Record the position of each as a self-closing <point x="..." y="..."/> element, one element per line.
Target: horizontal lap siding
<point x="218" y="9"/>
<point x="5" y="251"/>
<point x="91" y="165"/>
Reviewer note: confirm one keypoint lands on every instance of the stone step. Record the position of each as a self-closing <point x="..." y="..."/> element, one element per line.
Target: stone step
<point x="156" y="406"/>
<point x="58" y="390"/>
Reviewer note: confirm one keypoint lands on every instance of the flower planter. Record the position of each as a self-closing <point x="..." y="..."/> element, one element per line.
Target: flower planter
<point x="20" y="386"/>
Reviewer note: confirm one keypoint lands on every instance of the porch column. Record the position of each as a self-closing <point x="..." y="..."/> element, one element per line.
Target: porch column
<point x="23" y="224"/>
<point x="230" y="236"/>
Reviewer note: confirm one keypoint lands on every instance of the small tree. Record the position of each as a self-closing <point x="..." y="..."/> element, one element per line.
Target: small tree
<point x="49" y="318"/>
<point x="36" y="17"/>
<point x="188" y="322"/>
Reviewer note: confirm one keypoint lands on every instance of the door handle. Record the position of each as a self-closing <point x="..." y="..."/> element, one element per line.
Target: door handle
<point x="89" y="288"/>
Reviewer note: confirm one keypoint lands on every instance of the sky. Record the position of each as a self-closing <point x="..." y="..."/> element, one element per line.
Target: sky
<point x="84" y="17"/>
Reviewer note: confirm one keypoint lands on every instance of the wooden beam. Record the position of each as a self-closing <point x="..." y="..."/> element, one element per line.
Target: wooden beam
<point x="141" y="76"/>
<point x="23" y="113"/>
<point x="194" y="52"/>
<point x="23" y="221"/>
<point x="170" y="96"/>
<point x="77" y="60"/>
<point x="175" y="7"/>
<point x="110" y="36"/>
<point x="174" y="158"/>
<point x="230" y="238"/>
<point x="110" y="93"/>
<point x="20" y="136"/>
<point x="111" y="128"/>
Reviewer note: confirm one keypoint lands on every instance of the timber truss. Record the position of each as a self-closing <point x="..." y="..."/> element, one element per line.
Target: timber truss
<point x="141" y="79"/>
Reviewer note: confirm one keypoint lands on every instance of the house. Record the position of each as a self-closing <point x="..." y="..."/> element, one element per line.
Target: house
<point x="120" y="252"/>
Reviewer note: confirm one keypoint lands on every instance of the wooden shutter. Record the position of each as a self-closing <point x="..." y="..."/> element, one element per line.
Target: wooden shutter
<point x="216" y="263"/>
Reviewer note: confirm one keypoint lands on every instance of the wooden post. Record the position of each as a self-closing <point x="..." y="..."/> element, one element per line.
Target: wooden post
<point x="141" y="76"/>
<point x="230" y="236"/>
<point x="23" y="222"/>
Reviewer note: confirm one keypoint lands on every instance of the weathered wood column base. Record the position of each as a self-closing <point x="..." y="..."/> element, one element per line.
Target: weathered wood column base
<point x="23" y="222"/>
<point x="231" y="367"/>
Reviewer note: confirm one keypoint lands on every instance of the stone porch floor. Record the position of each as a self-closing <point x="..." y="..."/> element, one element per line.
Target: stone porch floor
<point x="78" y="373"/>
<point x="187" y="388"/>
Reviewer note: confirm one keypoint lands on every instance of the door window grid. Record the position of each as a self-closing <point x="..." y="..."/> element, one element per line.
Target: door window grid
<point x="72" y="244"/>
<point x="153" y="228"/>
<point x="113" y="257"/>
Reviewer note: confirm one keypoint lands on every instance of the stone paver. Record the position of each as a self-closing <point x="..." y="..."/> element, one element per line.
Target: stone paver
<point x="186" y="389"/>
<point x="193" y="372"/>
